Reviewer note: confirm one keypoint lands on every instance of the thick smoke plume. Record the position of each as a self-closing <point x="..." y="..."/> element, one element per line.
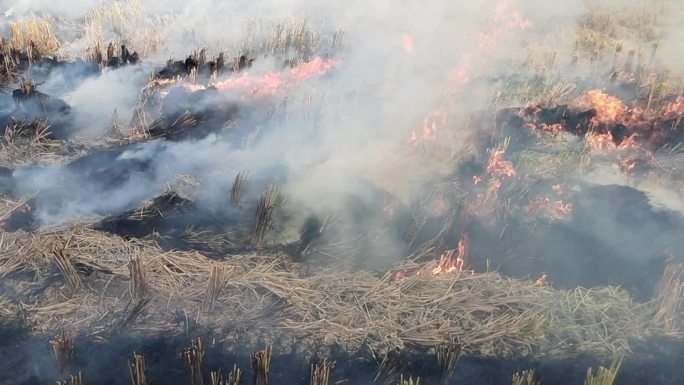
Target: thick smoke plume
<point x="345" y="135"/>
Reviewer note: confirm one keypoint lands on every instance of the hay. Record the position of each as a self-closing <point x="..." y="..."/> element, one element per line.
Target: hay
<point x="34" y="35"/>
<point x="487" y="314"/>
<point x="669" y="299"/>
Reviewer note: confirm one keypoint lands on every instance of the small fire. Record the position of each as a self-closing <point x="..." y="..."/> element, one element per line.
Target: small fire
<point x="270" y="83"/>
<point x="453" y="260"/>
<point x="514" y="20"/>
<point x="496" y="166"/>
<point x="430" y="127"/>
<point x="605" y="141"/>
<point x="552" y="208"/>
<point x="407" y="42"/>
<point x="628" y="164"/>
<point x="543" y="280"/>
<point x="608" y="108"/>
<point x="676" y="107"/>
<point x="316" y="67"/>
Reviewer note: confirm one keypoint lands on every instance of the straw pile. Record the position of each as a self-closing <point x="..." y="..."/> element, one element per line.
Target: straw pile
<point x="486" y="313"/>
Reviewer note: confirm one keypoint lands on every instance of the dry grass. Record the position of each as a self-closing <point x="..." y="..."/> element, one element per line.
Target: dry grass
<point x="488" y="314"/>
<point x="63" y="349"/>
<point x="125" y="23"/>
<point x="320" y="373"/>
<point x="193" y="356"/>
<point x="233" y="378"/>
<point x="669" y="299"/>
<point x="265" y="206"/>
<point x="604" y="376"/>
<point x="34" y="36"/>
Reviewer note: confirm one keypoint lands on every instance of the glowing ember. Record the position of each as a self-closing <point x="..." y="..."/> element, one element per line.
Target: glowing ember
<point x="407" y="42"/>
<point x="608" y="108"/>
<point x="453" y="260"/>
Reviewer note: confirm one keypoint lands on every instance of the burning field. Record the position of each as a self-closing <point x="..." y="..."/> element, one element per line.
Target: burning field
<point x="341" y="194"/>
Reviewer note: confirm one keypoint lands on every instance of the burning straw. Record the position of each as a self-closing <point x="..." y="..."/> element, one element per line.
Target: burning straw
<point x="261" y="362"/>
<point x="264" y="213"/>
<point x="233" y="377"/>
<point x="63" y="349"/>
<point x="604" y="376"/>
<point x="238" y="188"/>
<point x="193" y="357"/>
<point x="138" y="369"/>
<point x="320" y="373"/>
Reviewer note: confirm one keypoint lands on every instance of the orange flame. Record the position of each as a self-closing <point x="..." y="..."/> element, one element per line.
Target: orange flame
<point x="453" y="260"/>
<point x="605" y="141"/>
<point x="608" y="108"/>
<point x="270" y="83"/>
<point x="497" y="167"/>
<point x="430" y="127"/>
